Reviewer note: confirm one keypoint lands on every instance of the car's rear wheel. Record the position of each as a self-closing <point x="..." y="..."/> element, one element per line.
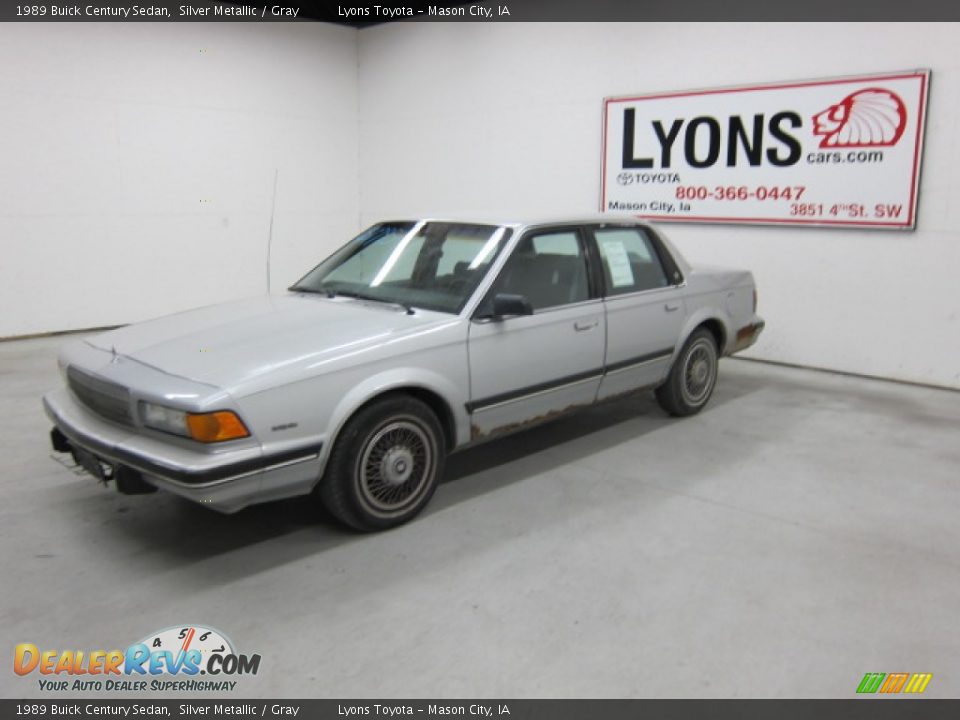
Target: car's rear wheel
<point x="692" y="377"/>
<point x="386" y="464"/>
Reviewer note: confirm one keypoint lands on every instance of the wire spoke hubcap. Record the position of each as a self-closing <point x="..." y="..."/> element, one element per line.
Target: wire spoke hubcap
<point x="699" y="372"/>
<point x="395" y="466"/>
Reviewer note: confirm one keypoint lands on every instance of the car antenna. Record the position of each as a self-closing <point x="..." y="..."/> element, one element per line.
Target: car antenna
<point x="273" y="207"/>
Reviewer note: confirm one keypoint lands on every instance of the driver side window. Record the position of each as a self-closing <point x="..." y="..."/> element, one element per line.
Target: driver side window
<point x="549" y="269"/>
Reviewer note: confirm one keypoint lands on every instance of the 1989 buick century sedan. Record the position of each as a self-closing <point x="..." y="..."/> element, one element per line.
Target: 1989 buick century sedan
<point x="414" y="339"/>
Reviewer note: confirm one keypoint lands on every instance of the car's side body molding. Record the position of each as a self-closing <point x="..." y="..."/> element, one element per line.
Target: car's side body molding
<point x="525" y="392"/>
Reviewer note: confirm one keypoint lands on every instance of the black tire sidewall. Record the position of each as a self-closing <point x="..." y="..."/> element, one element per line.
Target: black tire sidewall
<point x="340" y="486"/>
<point x="692" y="342"/>
<point x="670" y="395"/>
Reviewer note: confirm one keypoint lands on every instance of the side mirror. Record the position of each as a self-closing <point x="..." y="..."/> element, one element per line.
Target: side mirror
<point x="505" y="304"/>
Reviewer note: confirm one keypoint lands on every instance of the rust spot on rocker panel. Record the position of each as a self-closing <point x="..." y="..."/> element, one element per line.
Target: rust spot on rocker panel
<point x="477" y="434"/>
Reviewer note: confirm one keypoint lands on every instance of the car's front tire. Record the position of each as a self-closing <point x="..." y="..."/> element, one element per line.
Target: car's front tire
<point x="385" y="465"/>
<point x="692" y="377"/>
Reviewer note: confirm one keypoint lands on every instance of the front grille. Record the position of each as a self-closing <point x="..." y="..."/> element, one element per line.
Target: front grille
<point x="107" y="399"/>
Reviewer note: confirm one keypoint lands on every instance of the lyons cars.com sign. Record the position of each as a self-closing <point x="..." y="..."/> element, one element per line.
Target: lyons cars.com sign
<point x="843" y="152"/>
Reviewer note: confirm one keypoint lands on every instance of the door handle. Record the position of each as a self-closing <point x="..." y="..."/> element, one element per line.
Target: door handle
<point x="670" y="307"/>
<point x="584" y="326"/>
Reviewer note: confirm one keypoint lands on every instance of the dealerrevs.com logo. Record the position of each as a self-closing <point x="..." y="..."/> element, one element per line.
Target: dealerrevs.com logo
<point x="172" y="659"/>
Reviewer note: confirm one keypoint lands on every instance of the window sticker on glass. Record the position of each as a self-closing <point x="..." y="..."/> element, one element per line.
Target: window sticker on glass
<point x="621" y="274"/>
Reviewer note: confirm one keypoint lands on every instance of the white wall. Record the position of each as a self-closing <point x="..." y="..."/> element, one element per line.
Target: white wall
<point x="504" y="119"/>
<point x="136" y="172"/>
<point x="137" y="164"/>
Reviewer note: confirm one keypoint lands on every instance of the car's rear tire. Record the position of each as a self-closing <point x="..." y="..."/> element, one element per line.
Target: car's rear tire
<point x="385" y="465"/>
<point x="692" y="377"/>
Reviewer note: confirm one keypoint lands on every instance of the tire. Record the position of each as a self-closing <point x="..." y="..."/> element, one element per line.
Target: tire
<point x="692" y="377"/>
<point x="385" y="465"/>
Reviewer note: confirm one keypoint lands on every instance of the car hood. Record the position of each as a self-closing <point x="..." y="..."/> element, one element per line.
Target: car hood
<point x="223" y="345"/>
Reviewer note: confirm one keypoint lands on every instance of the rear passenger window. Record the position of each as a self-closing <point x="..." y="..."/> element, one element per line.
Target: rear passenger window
<point x="630" y="263"/>
<point x="565" y="243"/>
<point x="548" y="269"/>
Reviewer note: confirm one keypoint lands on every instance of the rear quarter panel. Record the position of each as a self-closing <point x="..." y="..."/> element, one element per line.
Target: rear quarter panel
<point x="720" y="294"/>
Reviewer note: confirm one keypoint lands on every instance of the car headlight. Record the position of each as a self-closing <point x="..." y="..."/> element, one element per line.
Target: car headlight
<point x="202" y="427"/>
<point x="163" y="418"/>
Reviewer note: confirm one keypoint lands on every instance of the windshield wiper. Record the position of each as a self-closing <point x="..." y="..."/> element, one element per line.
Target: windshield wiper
<point x="360" y="296"/>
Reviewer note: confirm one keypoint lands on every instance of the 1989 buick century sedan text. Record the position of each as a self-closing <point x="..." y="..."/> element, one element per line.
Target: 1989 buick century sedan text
<point x="414" y="339"/>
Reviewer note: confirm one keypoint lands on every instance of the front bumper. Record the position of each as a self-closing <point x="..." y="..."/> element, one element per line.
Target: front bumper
<point x="224" y="479"/>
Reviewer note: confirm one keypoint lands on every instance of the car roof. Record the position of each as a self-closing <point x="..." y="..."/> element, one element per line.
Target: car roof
<point x="514" y="221"/>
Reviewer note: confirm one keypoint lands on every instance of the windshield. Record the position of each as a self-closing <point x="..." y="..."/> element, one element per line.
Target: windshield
<point x="431" y="265"/>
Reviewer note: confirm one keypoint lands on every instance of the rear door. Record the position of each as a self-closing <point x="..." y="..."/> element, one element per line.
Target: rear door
<point x="644" y="304"/>
<point x="529" y="367"/>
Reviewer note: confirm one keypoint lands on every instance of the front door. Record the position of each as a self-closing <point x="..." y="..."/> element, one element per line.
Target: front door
<point x="529" y="368"/>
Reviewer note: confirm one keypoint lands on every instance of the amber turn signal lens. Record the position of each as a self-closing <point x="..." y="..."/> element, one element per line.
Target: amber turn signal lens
<point x="216" y="426"/>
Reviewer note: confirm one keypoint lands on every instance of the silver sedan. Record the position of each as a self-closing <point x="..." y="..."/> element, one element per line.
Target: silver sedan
<point x="415" y="339"/>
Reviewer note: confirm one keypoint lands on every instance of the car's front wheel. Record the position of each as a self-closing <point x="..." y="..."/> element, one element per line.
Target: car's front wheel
<point x="692" y="377"/>
<point x="385" y="465"/>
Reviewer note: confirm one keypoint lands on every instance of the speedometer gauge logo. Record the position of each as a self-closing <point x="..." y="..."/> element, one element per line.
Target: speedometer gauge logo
<point x="180" y="640"/>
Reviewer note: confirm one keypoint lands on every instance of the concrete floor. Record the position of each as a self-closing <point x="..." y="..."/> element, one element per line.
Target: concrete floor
<point x="800" y="532"/>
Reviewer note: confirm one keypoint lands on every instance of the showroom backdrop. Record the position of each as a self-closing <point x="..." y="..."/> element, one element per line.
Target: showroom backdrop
<point x="138" y="163"/>
<point x="506" y="119"/>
